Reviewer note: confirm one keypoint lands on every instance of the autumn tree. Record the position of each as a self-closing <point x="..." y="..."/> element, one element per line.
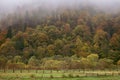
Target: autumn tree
<point x="83" y="31"/>
<point x="58" y="46"/>
<point x="17" y="59"/>
<point x="82" y="49"/>
<point x="101" y="43"/>
<point x="40" y="52"/>
<point x="118" y="63"/>
<point x="8" y="48"/>
<point x="33" y="62"/>
<point x="114" y="46"/>
<point x="105" y="63"/>
<point x="27" y="53"/>
<point x="50" y="50"/>
<point x="67" y="28"/>
<point x="2" y="36"/>
<point x="3" y="61"/>
<point x="93" y="60"/>
<point x="115" y="41"/>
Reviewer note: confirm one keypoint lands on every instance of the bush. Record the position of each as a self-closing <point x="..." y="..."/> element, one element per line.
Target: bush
<point x="17" y="76"/>
<point x="64" y="76"/>
<point x="51" y="76"/>
<point x="32" y="76"/>
<point x="77" y="76"/>
<point x="105" y="63"/>
<point x="70" y="76"/>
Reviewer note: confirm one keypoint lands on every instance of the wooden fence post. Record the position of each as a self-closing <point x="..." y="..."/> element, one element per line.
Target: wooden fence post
<point x="51" y="70"/>
<point x="20" y="70"/>
<point x="28" y="70"/>
<point x="118" y="73"/>
<point x="112" y="73"/>
<point x="97" y="74"/>
<point x="105" y="74"/>
<point x="36" y="70"/>
<point x="43" y="71"/>
<point x="4" y="70"/>
<point x="13" y="70"/>
<point x="85" y="74"/>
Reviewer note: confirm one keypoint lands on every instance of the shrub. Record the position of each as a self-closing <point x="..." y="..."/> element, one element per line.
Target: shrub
<point x="64" y="76"/>
<point x="32" y="76"/>
<point x="70" y="76"/>
<point x="77" y="76"/>
<point x="17" y="76"/>
<point x="51" y="76"/>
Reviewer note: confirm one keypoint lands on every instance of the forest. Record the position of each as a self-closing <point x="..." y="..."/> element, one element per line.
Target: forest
<point x="82" y="37"/>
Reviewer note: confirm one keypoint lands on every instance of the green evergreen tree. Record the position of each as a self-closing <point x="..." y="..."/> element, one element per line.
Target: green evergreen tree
<point x="9" y="32"/>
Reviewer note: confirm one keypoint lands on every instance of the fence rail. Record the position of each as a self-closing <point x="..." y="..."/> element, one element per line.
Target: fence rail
<point x="63" y="73"/>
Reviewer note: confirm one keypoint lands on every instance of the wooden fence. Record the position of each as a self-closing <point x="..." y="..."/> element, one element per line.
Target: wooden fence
<point x="66" y="72"/>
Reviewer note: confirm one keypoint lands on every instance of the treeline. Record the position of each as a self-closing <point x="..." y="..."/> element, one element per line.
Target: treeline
<point x="30" y="40"/>
<point x="91" y="62"/>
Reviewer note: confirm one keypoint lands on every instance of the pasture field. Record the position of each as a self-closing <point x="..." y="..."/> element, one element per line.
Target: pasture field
<point x="59" y="75"/>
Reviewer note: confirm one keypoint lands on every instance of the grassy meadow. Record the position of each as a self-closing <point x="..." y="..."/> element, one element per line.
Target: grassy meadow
<point x="60" y="75"/>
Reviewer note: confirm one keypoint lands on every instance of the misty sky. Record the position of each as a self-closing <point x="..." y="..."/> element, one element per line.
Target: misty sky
<point x="14" y="3"/>
<point x="10" y="5"/>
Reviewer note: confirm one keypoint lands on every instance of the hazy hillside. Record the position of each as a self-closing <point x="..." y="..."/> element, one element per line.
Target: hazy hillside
<point x="37" y="32"/>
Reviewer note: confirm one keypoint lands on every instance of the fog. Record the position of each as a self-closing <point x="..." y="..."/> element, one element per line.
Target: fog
<point x="10" y="6"/>
<point x="15" y="3"/>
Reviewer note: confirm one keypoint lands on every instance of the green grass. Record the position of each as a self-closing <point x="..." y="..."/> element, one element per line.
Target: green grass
<point x="61" y="75"/>
<point x="80" y="78"/>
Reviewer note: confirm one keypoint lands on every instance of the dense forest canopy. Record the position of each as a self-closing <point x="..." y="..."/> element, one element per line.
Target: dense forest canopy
<point x="85" y="33"/>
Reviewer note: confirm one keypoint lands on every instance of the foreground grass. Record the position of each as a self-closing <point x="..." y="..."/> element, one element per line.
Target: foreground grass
<point x="61" y="75"/>
<point x="80" y="78"/>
